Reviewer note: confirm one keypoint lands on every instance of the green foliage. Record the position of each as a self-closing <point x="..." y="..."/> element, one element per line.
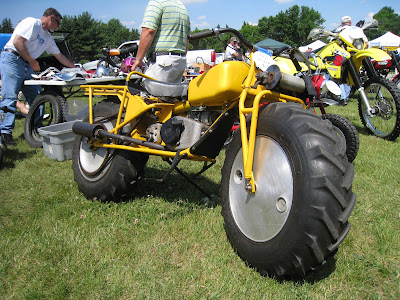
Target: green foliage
<point x="87" y="38"/>
<point x="218" y="44"/>
<point x="291" y="26"/>
<point x="116" y="33"/>
<point x="251" y="33"/>
<point x="6" y="26"/>
<point x="388" y="20"/>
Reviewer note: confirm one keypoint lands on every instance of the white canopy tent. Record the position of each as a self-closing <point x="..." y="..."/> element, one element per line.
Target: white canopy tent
<point x="313" y="46"/>
<point x="387" y="40"/>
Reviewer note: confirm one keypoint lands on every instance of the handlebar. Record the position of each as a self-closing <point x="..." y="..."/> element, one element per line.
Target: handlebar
<point x="218" y="31"/>
<point x="131" y="49"/>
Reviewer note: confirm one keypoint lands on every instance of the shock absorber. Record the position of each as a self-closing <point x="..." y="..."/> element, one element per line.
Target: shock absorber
<point x="358" y="83"/>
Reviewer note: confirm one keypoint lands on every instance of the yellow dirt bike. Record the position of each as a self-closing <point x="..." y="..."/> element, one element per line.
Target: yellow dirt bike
<point x="347" y="60"/>
<point x="286" y="181"/>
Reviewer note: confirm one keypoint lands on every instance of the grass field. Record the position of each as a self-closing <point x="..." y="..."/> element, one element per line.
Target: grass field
<point x="167" y="244"/>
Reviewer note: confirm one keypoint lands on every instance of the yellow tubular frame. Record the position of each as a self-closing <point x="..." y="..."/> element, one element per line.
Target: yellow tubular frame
<point x="122" y="91"/>
<point x="248" y="142"/>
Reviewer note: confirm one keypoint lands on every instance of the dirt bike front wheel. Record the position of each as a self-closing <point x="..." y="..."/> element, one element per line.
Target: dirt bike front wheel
<point x="103" y="173"/>
<point x="298" y="215"/>
<point x="384" y="99"/>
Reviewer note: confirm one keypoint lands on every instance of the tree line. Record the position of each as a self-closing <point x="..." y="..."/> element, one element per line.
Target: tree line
<point x="89" y="36"/>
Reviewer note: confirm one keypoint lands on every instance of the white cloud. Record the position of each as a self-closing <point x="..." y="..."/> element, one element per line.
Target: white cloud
<point x="193" y="1"/>
<point x="129" y="24"/>
<point x="201" y="18"/>
<point x="370" y="16"/>
<point x="106" y="17"/>
<point x="283" y="1"/>
<point x="200" y="25"/>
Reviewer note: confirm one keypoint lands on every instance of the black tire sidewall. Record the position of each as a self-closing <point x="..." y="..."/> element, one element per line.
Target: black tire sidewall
<point x="56" y="101"/>
<point x="349" y="131"/>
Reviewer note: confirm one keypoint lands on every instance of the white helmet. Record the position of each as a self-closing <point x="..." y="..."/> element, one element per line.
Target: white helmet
<point x="346" y="19"/>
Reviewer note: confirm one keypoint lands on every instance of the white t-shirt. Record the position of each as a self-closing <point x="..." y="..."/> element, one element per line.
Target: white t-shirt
<point x="38" y="40"/>
<point x="229" y="51"/>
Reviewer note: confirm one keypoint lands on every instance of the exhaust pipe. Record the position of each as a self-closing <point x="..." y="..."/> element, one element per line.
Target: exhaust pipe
<point x="283" y="80"/>
<point x="96" y="131"/>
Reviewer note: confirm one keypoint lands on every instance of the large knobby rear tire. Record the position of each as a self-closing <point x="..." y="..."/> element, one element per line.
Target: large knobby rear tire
<point x="299" y="214"/>
<point x="347" y="131"/>
<point x="45" y="110"/>
<point x="384" y="98"/>
<point x="102" y="173"/>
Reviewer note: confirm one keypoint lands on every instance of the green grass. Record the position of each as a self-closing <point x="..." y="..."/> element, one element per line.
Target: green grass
<point x="166" y="243"/>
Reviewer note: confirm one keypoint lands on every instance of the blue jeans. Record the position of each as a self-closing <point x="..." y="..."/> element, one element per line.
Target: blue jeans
<point x="345" y="91"/>
<point x="14" y="70"/>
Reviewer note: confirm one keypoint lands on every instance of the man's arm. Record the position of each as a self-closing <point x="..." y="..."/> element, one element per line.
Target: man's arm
<point x="19" y="43"/>
<point x="146" y="38"/>
<point x="64" y="60"/>
<point x="232" y="51"/>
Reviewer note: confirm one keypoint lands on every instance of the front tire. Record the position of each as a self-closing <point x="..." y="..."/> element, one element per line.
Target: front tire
<point x="384" y="98"/>
<point x="103" y="173"/>
<point x="298" y="215"/>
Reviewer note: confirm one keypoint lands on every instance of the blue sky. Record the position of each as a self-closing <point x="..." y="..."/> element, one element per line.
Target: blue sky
<point x="203" y="13"/>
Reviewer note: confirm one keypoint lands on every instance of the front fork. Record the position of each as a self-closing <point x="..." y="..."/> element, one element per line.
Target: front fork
<point x="358" y="83"/>
<point x="248" y="142"/>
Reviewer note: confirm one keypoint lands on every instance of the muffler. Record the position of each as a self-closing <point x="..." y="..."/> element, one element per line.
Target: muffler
<point x="284" y="80"/>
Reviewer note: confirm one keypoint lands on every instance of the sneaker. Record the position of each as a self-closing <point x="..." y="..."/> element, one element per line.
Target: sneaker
<point x="7" y="139"/>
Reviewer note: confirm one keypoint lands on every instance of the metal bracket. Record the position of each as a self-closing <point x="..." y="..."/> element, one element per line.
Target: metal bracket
<point x="174" y="166"/>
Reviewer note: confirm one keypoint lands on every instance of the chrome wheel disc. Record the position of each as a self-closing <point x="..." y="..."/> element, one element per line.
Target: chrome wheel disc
<point x="94" y="162"/>
<point x="261" y="215"/>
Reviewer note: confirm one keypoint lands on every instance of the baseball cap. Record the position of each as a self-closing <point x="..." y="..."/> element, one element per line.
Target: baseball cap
<point x="233" y="39"/>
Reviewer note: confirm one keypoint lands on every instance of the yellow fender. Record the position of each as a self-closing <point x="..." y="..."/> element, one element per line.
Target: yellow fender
<point x="377" y="54"/>
<point x="287" y="66"/>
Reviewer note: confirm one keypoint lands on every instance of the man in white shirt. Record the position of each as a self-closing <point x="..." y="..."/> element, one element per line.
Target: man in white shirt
<point x="18" y="62"/>
<point x="231" y="52"/>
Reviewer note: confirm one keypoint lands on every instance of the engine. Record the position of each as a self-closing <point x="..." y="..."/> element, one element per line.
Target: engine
<point x="180" y="132"/>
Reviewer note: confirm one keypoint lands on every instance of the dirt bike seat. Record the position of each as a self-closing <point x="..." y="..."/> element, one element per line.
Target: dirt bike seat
<point x="166" y="89"/>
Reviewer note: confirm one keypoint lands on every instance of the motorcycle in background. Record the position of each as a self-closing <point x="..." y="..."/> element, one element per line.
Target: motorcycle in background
<point x="321" y="92"/>
<point x="385" y="67"/>
<point x="342" y="59"/>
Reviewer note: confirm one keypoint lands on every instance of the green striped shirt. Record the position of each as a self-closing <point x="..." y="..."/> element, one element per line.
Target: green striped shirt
<point x="170" y="19"/>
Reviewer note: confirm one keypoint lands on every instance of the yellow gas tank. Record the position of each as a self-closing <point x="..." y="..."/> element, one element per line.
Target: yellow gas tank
<point x="219" y="85"/>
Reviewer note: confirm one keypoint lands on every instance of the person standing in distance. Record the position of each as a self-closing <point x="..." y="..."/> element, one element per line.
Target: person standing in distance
<point x="231" y="52"/>
<point x="18" y="62"/>
<point x="164" y="38"/>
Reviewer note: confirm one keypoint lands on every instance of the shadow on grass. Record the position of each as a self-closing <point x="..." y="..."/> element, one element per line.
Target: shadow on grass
<point x="176" y="187"/>
<point x="12" y="154"/>
<point x="311" y="277"/>
<point x="361" y="130"/>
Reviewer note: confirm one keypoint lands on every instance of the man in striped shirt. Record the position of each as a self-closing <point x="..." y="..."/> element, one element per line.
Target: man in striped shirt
<point x="165" y="29"/>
